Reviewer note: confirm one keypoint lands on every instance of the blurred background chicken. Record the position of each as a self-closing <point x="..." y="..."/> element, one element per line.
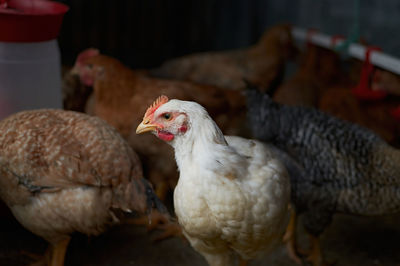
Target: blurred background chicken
<point x="377" y="115"/>
<point x="301" y="87"/>
<point x="386" y="81"/>
<point x="121" y="95"/>
<point x="65" y="172"/>
<point x="323" y="81"/>
<point x="75" y="94"/>
<point x="317" y="69"/>
<point x="232" y="195"/>
<point x="262" y="64"/>
<point x="338" y="166"/>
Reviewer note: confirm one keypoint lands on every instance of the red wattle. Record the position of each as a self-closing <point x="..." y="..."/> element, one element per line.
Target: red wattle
<point x="166" y="136"/>
<point x="183" y="129"/>
<point x="87" y="80"/>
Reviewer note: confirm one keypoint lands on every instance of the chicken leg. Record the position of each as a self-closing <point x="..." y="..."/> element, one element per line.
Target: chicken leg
<point x="157" y="220"/>
<point x="54" y="255"/>
<point x="315" y="255"/>
<point x="58" y="251"/>
<point x="290" y="237"/>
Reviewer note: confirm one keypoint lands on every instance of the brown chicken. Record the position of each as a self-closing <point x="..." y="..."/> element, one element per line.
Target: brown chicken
<point x="387" y="81"/>
<point x="121" y="96"/>
<point x="261" y="64"/>
<point x="65" y="172"/>
<point x="318" y="68"/>
<point x="376" y="115"/>
<point x="75" y="94"/>
<point x="301" y="88"/>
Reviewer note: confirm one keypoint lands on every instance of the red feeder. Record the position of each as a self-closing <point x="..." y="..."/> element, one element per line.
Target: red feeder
<point x="30" y="20"/>
<point x="30" y="66"/>
<point x="363" y="90"/>
<point x="335" y="39"/>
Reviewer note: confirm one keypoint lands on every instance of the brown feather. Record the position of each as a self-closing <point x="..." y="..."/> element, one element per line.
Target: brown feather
<point x="67" y="169"/>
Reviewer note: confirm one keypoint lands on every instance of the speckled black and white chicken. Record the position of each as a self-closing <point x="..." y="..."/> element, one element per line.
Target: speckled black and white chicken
<point x="335" y="166"/>
<point x="63" y="172"/>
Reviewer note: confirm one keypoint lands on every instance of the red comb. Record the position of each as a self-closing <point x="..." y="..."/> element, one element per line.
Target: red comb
<point x="90" y="52"/>
<point x="155" y="105"/>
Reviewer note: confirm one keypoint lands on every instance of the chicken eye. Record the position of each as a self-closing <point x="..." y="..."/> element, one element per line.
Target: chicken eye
<point x="167" y="116"/>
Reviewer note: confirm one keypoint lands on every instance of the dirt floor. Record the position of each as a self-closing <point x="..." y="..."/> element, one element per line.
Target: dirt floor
<point x="350" y="240"/>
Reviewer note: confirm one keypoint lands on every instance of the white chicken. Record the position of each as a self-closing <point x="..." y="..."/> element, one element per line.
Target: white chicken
<point x="232" y="195"/>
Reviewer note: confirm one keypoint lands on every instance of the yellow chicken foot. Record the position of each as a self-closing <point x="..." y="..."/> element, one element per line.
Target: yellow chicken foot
<point x="315" y="255"/>
<point x="157" y="220"/>
<point x="54" y="255"/>
<point x="151" y="221"/>
<point x="57" y="255"/>
<point x="290" y="238"/>
<point x="171" y="229"/>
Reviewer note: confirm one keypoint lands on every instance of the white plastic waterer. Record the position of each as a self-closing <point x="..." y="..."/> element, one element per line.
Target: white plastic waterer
<point x="30" y="65"/>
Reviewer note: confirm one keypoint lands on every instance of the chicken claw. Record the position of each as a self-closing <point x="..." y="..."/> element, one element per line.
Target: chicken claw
<point x="54" y="256"/>
<point x="156" y="220"/>
<point x="314" y="256"/>
<point x="290" y="238"/>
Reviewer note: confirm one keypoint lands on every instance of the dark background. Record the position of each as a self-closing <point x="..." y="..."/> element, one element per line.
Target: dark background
<point x="144" y="33"/>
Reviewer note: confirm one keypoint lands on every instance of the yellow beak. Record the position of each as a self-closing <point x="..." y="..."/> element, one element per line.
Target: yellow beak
<point x="145" y="126"/>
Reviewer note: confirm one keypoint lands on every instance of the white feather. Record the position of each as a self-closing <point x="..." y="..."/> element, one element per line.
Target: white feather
<point x="232" y="194"/>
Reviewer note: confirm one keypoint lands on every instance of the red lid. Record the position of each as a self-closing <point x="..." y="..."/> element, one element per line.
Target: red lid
<point x="30" y="20"/>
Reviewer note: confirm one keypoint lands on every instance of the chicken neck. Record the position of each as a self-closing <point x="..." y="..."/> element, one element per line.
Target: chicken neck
<point x="204" y="145"/>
